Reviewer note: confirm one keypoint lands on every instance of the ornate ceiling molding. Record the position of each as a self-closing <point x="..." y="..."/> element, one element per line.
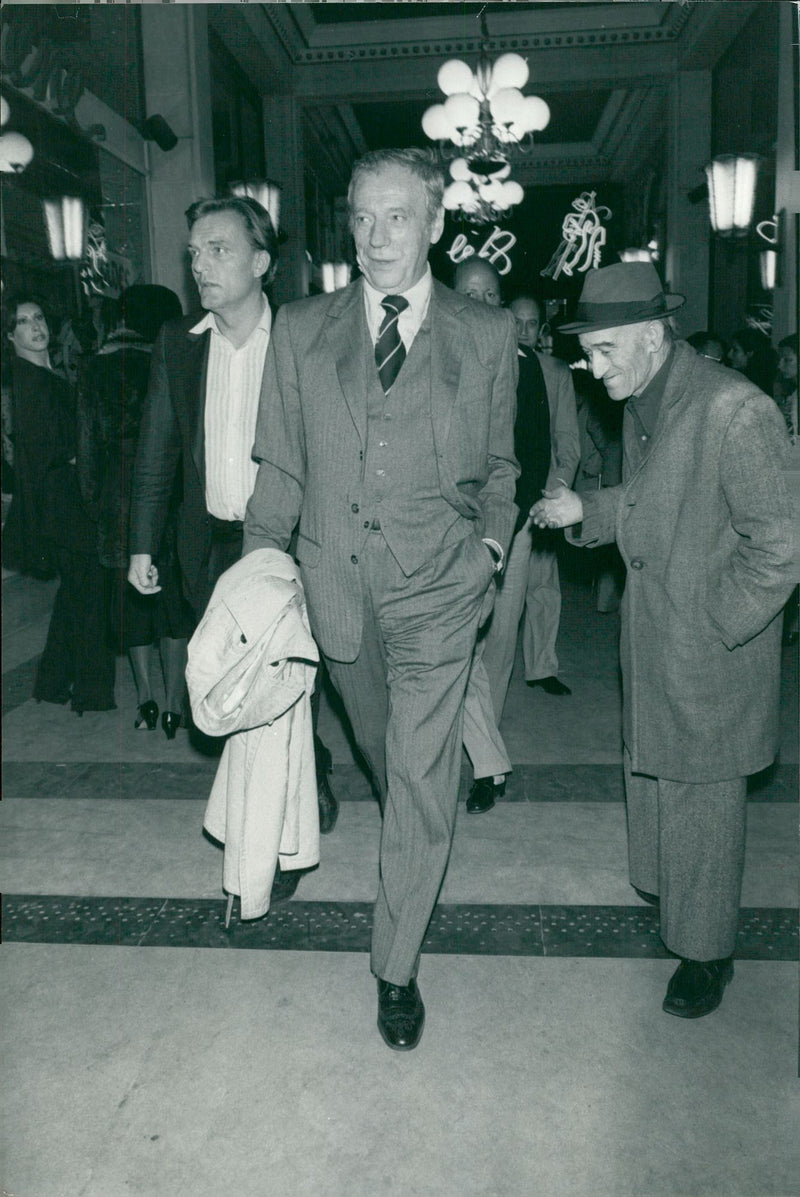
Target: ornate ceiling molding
<point x="580" y="27"/>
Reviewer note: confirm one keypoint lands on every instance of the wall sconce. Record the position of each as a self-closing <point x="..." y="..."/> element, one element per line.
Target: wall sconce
<point x="769" y="232"/>
<point x="66" y="227"/>
<point x="731" y="193"/>
<point x="335" y="275"/>
<point x="265" y="193"/>
<point x="16" y="151"/>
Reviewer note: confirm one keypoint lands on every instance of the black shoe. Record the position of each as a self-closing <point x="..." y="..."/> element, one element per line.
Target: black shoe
<point x="171" y="721"/>
<point x="551" y="685"/>
<point x="328" y="804"/>
<point x="284" y="884"/>
<point x="652" y="899"/>
<point x="697" y="986"/>
<point x="401" y="1015"/>
<point x="483" y="794"/>
<point x="148" y="716"/>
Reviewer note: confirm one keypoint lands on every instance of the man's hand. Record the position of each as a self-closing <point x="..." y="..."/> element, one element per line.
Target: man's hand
<point x="560" y="508"/>
<point x="143" y="574"/>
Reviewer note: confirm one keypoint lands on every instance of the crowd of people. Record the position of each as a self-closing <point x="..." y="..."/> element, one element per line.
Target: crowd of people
<point x="417" y="449"/>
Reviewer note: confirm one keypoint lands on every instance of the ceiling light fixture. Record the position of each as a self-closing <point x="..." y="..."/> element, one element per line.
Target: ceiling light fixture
<point x="485" y="117"/>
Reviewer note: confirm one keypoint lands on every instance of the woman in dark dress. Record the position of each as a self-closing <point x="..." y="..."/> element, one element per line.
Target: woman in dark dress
<point x="48" y="529"/>
<point x="112" y="389"/>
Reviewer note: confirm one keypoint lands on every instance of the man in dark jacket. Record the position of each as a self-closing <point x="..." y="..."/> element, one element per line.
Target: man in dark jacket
<point x="703" y="521"/>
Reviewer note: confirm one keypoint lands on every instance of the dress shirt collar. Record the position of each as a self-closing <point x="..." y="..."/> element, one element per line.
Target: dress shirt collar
<point x="418" y="298"/>
<point x="209" y="321"/>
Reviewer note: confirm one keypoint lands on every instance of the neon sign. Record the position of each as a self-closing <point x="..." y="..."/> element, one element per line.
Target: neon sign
<point x="582" y="238"/>
<point x="495" y="249"/>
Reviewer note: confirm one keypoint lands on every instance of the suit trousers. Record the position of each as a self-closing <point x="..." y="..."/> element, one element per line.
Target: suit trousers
<point x="528" y="583"/>
<point x="404" y="695"/>
<point x="482" y="739"/>
<point x="686" y="844"/>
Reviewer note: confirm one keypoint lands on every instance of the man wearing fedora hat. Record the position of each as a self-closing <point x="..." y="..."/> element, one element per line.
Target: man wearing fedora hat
<point x="704" y="524"/>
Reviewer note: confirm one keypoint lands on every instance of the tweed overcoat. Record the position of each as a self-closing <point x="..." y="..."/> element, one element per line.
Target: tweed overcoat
<point x="313" y="410"/>
<point x="706" y="530"/>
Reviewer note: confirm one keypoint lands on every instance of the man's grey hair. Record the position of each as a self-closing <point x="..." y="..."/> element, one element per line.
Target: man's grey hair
<point x="423" y="163"/>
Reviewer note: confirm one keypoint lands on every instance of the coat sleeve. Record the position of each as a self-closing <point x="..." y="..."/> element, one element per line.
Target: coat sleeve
<point x="754" y="580"/>
<point x="599" y="525"/>
<point x="157" y="456"/>
<point x="279" y="449"/>
<point x="564" y="433"/>
<point x="496" y="497"/>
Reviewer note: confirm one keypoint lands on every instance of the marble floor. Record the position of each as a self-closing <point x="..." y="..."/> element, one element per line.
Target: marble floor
<point x="148" y="1050"/>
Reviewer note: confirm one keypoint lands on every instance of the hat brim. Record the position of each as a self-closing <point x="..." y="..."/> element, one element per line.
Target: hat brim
<point x="673" y="302"/>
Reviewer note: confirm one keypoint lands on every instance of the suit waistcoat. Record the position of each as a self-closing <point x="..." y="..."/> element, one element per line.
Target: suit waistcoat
<point x="401" y="476"/>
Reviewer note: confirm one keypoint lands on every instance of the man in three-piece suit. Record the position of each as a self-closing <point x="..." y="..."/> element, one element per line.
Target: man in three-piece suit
<point x="386" y="428"/>
<point x="704" y="523"/>
<point x="200" y="415"/>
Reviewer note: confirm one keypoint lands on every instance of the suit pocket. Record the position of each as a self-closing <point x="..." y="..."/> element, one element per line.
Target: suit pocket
<point x="308" y="551"/>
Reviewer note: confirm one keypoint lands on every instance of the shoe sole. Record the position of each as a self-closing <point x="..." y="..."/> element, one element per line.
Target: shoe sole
<point x="699" y="1011"/>
<point x="479" y="810"/>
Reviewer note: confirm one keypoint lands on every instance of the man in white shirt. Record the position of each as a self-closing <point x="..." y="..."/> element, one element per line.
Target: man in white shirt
<point x="200" y="414"/>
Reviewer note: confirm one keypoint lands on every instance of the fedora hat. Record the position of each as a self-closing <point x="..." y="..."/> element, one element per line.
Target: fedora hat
<point x="625" y="293"/>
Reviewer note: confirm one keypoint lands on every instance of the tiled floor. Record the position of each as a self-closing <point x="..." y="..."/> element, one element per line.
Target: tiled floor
<point x="139" y="1061"/>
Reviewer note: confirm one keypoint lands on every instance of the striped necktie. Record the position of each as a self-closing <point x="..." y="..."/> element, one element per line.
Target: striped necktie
<point x="390" y="352"/>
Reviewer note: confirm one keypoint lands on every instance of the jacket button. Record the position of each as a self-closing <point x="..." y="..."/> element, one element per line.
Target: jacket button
<point x="354" y="559"/>
<point x="366" y="523"/>
<point x="354" y="507"/>
<point x="637" y="563"/>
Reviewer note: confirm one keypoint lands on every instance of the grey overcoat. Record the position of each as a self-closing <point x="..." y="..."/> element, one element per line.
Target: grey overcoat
<point x="706" y="530"/>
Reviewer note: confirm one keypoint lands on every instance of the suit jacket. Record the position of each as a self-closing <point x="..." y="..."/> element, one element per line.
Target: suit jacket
<point x="706" y="529"/>
<point x="565" y="441"/>
<point x="172" y="433"/>
<point x="311" y="439"/>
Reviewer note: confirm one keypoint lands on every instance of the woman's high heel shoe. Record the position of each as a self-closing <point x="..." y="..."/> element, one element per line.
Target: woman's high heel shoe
<point x="170" y="721"/>
<point x="148" y="716"/>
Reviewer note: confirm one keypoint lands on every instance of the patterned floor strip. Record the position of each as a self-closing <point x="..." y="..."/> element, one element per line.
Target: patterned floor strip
<point x="528" y="783"/>
<point x="629" y="932"/>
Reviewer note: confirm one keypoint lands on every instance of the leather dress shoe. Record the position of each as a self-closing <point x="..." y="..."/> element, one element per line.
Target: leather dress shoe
<point x="284" y="884"/>
<point x="696" y="987"/>
<point x="328" y="804"/>
<point x="651" y="899"/>
<point x="483" y="793"/>
<point x="551" y="685"/>
<point x="401" y="1015"/>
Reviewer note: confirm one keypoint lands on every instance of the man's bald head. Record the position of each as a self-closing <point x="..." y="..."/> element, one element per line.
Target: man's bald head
<point x="478" y="279"/>
<point x="527" y="312"/>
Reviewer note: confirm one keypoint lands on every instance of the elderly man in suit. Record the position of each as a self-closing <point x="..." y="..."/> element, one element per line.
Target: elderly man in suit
<point x="703" y="521"/>
<point x="534" y="576"/>
<point x="546" y="443"/>
<point x="386" y="428"/>
<point x="200" y="415"/>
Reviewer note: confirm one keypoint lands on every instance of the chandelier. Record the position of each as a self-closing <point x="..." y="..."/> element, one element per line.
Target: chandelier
<point x="485" y="116"/>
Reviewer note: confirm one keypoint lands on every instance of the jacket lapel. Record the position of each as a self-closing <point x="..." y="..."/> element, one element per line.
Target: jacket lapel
<point x="191" y="371"/>
<point x="447" y="338"/>
<point x="345" y="329"/>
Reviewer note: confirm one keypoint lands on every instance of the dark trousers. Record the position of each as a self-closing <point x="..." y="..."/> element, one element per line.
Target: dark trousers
<point x="78" y="661"/>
